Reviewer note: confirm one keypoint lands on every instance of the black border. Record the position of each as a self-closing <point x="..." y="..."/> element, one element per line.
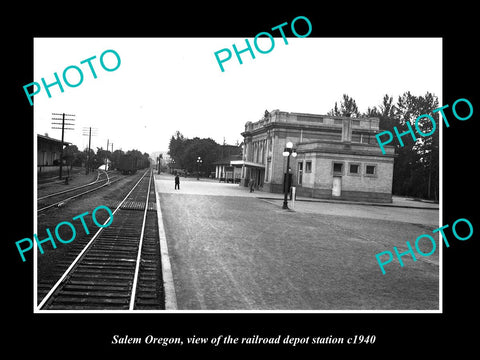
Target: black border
<point x="396" y="333"/>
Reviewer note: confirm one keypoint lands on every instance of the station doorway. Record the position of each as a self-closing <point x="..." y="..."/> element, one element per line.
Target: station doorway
<point x="337" y="186"/>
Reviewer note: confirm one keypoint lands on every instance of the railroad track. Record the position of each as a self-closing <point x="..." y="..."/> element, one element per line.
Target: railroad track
<point x="119" y="268"/>
<point x="59" y="198"/>
<point x="74" y="188"/>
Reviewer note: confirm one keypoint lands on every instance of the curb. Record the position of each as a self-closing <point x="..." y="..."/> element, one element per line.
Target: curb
<point x="168" y="285"/>
<point x="350" y="203"/>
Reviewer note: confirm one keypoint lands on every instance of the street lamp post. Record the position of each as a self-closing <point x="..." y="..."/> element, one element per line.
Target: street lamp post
<point x="199" y="161"/>
<point x="287" y="151"/>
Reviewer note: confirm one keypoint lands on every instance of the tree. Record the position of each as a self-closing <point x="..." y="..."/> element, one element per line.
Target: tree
<point x="145" y="159"/>
<point x="334" y="111"/>
<point x="371" y="112"/>
<point x="72" y="156"/>
<point x="89" y="157"/>
<point x="176" y="148"/>
<point x="102" y="157"/>
<point x="416" y="171"/>
<point x="142" y="160"/>
<point x="185" y="152"/>
<point x="348" y="107"/>
<point x="207" y="149"/>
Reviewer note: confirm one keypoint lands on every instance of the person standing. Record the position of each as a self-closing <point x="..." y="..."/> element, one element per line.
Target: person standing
<point x="177" y="182"/>
<point x="251" y="184"/>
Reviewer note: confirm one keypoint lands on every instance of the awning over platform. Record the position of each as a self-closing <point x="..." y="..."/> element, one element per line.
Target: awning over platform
<point x="247" y="164"/>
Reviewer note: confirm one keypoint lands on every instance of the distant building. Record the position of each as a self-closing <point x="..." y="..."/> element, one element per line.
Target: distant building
<point x="338" y="157"/>
<point x="48" y="150"/>
<point x="225" y="169"/>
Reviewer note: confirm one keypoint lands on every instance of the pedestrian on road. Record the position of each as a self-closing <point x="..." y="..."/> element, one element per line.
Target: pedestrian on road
<point x="251" y="183"/>
<point x="177" y="182"/>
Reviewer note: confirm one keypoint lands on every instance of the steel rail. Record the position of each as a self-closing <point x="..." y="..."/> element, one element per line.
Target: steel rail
<point x="109" y="181"/>
<point x="84" y="250"/>
<point x="73" y="189"/>
<point x="137" y="265"/>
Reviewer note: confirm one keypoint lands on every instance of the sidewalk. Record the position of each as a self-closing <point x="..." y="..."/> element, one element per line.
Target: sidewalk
<point x="397" y="201"/>
<point x="214" y="187"/>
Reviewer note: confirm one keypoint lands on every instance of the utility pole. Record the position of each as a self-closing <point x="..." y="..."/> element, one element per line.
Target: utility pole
<point x="106" y="158"/>
<point x="63" y="131"/>
<point x="88" y="154"/>
<point x="87" y="165"/>
<point x="112" y="153"/>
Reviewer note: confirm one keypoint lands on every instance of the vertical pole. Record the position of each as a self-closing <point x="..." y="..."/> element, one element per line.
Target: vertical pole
<point x="429" y="173"/>
<point x="286" y="184"/>
<point x="106" y="158"/>
<point x="294" y="195"/>
<point x="87" y="165"/>
<point x="61" y="149"/>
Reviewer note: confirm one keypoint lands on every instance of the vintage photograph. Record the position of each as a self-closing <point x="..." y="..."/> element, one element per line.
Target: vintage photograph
<point x="269" y="174"/>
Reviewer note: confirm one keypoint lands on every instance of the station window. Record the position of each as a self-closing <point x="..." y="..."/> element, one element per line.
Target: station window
<point x="365" y="138"/>
<point x="371" y="170"/>
<point x="337" y="167"/>
<point x="308" y="166"/>
<point x="356" y="138"/>
<point x="354" y="169"/>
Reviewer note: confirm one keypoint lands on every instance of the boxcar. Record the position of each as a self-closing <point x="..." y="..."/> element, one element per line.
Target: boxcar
<point x="127" y="164"/>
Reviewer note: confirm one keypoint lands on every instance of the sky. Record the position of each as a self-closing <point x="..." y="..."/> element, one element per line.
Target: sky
<point x="167" y="84"/>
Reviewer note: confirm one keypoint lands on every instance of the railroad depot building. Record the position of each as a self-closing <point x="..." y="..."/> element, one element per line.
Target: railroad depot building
<point x="337" y="157"/>
<point x="48" y="150"/>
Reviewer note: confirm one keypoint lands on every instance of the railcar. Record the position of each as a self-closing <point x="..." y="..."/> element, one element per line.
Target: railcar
<point x="127" y="164"/>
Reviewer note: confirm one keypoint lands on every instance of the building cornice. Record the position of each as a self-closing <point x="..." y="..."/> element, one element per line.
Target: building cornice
<point x="305" y="127"/>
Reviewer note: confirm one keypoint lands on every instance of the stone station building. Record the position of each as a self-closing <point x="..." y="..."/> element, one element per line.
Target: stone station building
<point x="337" y="157"/>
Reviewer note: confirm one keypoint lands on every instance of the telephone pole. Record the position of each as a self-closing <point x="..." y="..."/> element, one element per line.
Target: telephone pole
<point x="106" y="158"/>
<point x="88" y="132"/>
<point x="63" y="123"/>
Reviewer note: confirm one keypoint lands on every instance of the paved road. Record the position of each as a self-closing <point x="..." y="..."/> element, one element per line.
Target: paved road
<point x="230" y="250"/>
